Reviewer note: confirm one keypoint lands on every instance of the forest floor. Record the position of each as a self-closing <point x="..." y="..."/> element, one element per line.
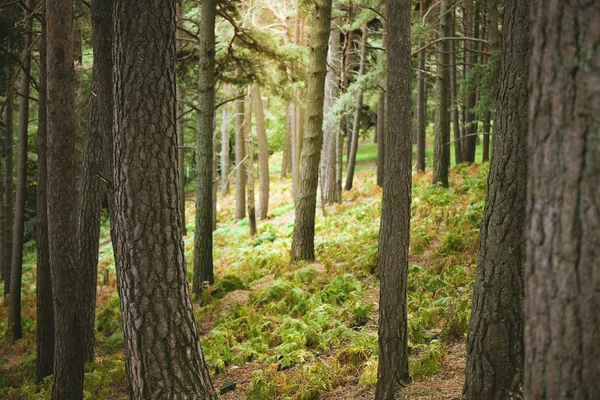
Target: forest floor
<point x="275" y="330"/>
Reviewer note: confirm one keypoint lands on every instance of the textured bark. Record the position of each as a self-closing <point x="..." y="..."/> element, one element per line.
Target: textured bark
<point x="263" y="153"/>
<point x="394" y="232"/>
<point x="240" y="155"/>
<point x="331" y="126"/>
<point x="93" y="169"/>
<point x="225" y="123"/>
<point x="8" y="189"/>
<point x="441" y="146"/>
<point x="421" y="103"/>
<point x="62" y="229"/>
<point x="250" y="164"/>
<point x="44" y="314"/>
<point x="203" y="261"/>
<point x="562" y="328"/>
<point x="472" y="28"/>
<point x="458" y="159"/>
<point x="495" y="340"/>
<point x="493" y="46"/>
<point x="181" y="130"/>
<point x="485" y="156"/>
<point x="357" y="113"/>
<point x="163" y="354"/>
<point x="303" y="240"/>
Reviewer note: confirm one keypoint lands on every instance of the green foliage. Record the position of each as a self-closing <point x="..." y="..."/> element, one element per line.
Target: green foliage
<point x="225" y="285"/>
<point x="427" y="364"/>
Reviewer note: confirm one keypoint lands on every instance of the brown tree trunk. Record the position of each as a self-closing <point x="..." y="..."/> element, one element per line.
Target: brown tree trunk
<point x="458" y="153"/>
<point x="441" y="146"/>
<point x="472" y="28"/>
<point x="286" y="162"/>
<point x="8" y="188"/>
<point x="225" y="123"/>
<point x="394" y="232"/>
<point x="240" y="155"/>
<point x="250" y="163"/>
<point x="303" y="240"/>
<point x="421" y="103"/>
<point x="62" y="206"/>
<point x="181" y="131"/>
<point x="562" y="323"/>
<point x="493" y="46"/>
<point x="495" y="341"/>
<point x="164" y="358"/>
<point x="381" y="107"/>
<point x="263" y="153"/>
<point x="203" y="241"/>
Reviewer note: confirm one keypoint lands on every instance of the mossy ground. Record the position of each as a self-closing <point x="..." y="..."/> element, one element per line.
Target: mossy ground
<point x="309" y="330"/>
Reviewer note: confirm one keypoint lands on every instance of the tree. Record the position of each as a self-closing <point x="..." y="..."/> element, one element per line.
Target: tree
<point x="225" y="150"/>
<point x="240" y="155"/>
<point x="471" y="22"/>
<point x="65" y="270"/>
<point x="263" y="153"/>
<point x="203" y="242"/>
<point x="441" y="146"/>
<point x="250" y="164"/>
<point x="181" y="128"/>
<point x="93" y="169"/>
<point x="381" y="106"/>
<point x="421" y="101"/>
<point x="44" y="313"/>
<point x="8" y="188"/>
<point x="164" y="358"/>
<point x="394" y="232"/>
<point x="562" y="328"/>
<point x="303" y="239"/>
<point x="495" y="340"/>
<point x="458" y="152"/>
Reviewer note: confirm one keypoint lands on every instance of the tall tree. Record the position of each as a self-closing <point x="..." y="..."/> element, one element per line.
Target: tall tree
<point x="421" y="100"/>
<point x="44" y="313"/>
<point x="8" y="187"/>
<point x="394" y="231"/>
<point x="225" y="123"/>
<point x="357" y="113"/>
<point x="65" y="270"/>
<point x="471" y="23"/>
<point x="303" y="239"/>
<point x="441" y="146"/>
<point x="495" y="339"/>
<point x="181" y="128"/>
<point x="93" y="169"/>
<point x="562" y="324"/>
<point x="250" y="163"/>
<point x="164" y="358"/>
<point x="203" y="261"/>
<point x="263" y="152"/>
<point x="240" y="155"/>
<point x="381" y="106"/>
<point x="458" y="152"/>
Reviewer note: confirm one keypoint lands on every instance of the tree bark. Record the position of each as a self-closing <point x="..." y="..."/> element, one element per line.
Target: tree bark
<point x="8" y="188"/>
<point x="44" y="314"/>
<point x="181" y="131"/>
<point x="62" y="206"/>
<point x="421" y="103"/>
<point x="441" y="147"/>
<point x="225" y="123"/>
<point x="394" y="233"/>
<point x="495" y="340"/>
<point x="203" y="260"/>
<point x="250" y="163"/>
<point x="562" y="324"/>
<point x="381" y="110"/>
<point x="163" y="354"/>
<point x="357" y="113"/>
<point x="263" y="153"/>
<point x="303" y="239"/>
<point x="472" y="28"/>
<point x="92" y="186"/>
<point x="240" y="155"/>
<point x="458" y="152"/>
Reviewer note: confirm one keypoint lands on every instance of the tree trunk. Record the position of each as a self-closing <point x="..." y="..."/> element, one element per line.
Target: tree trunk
<point x="286" y="162"/>
<point x="250" y="163"/>
<point x="181" y="131"/>
<point x="62" y="206"/>
<point x="458" y="152"/>
<point x="203" y="260"/>
<point x="303" y="240"/>
<point x="495" y="341"/>
<point x="421" y="104"/>
<point x="215" y="166"/>
<point x="562" y="324"/>
<point x="263" y="152"/>
<point x="381" y="137"/>
<point x="92" y="186"/>
<point x="472" y="28"/>
<point x="493" y="46"/>
<point x="8" y="188"/>
<point x="164" y="358"/>
<point x="14" y="311"/>
<point x="240" y="155"/>
<point x="225" y="150"/>
<point x="357" y="113"/>
<point x="441" y="147"/>
<point x="394" y="233"/>
<point x="44" y="314"/>
<point x="331" y="128"/>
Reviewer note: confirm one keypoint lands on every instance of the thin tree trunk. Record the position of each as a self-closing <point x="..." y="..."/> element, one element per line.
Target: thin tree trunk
<point x="357" y="113"/>
<point x="394" y="233"/>
<point x="225" y="150"/>
<point x="203" y="241"/>
<point x="250" y="163"/>
<point x="458" y="152"/>
<point x="381" y="110"/>
<point x="421" y="104"/>
<point x="62" y="206"/>
<point x="164" y="358"/>
<point x="8" y="188"/>
<point x="263" y="153"/>
<point x="303" y="239"/>
<point x="493" y="46"/>
<point x="215" y="174"/>
<point x="495" y="341"/>
<point x="286" y="162"/>
<point x="240" y="154"/>
<point x="472" y="22"/>
<point x="562" y="323"/>
<point x="441" y="147"/>
<point x="14" y="311"/>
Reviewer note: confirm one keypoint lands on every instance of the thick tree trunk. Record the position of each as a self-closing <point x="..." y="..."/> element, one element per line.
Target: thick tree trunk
<point x="250" y="163"/>
<point x="14" y="310"/>
<point x="495" y="341"/>
<point x="458" y="153"/>
<point x="203" y="260"/>
<point x="441" y="146"/>
<point x="421" y="104"/>
<point x="45" y="314"/>
<point x="263" y="153"/>
<point x="62" y="206"/>
<point x="225" y="123"/>
<point x="164" y="358"/>
<point x="331" y="127"/>
<point x="394" y="232"/>
<point x="357" y="113"/>
<point x="92" y="186"/>
<point x="8" y="188"/>
<point x="240" y="155"/>
<point x="562" y="328"/>
<point x="303" y="240"/>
